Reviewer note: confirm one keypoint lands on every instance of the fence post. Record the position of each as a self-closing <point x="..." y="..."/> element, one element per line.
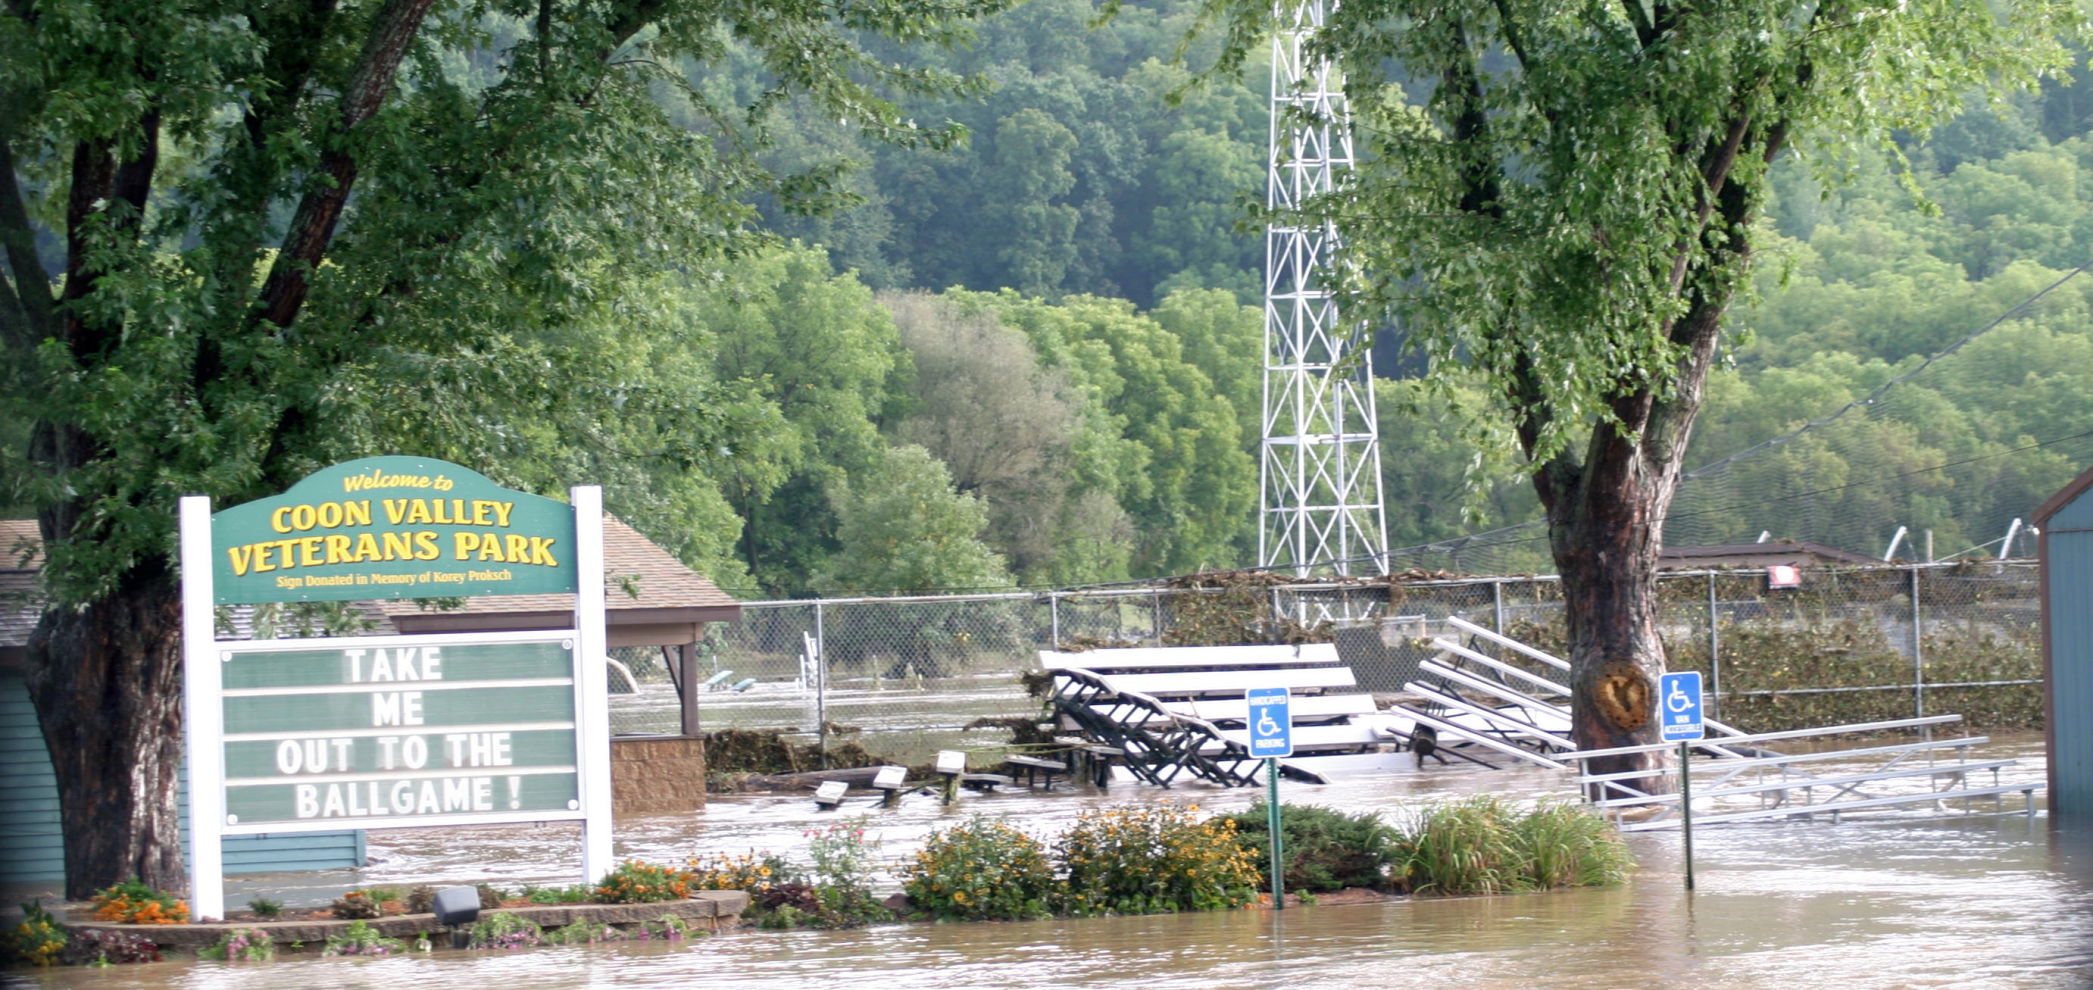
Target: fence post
<point x="1497" y="607"/>
<point x="1918" y="652"/>
<point x="1714" y="653"/>
<point x="1054" y="619"/>
<point x="1155" y="622"/>
<point x="821" y="685"/>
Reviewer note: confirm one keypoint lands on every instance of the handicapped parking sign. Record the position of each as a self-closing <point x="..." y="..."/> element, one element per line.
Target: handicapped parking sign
<point x="1271" y="722"/>
<point x="1679" y="706"/>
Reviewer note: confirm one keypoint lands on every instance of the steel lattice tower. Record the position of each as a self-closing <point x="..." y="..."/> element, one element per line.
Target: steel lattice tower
<point x="1319" y="473"/>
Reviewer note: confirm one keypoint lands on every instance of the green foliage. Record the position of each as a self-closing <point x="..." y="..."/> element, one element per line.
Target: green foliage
<point x="296" y="236"/>
<point x="241" y="945"/>
<point x="1567" y="845"/>
<point x="902" y="528"/>
<point x="842" y="869"/>
<point x="1325" y="849"/>
<point x="980" y="870"/>
<point x="357" y="904"/>
<point x="576" y="894"/>
<point x="634" y="882"/>
<point x="38" y="940"/>
<point x="360" y="939"/>
<point x="751" y="871"/>
<point x="1482" y="845"/>
<point x="1153" y="860"/>
<point x="264" y="907"/>
<point x="504" y="930"/>
<point x="584" y="933"/>
<point x="135" y="902"/>
<point x="1157" y="436"/>
<point x="1461" y="847"/>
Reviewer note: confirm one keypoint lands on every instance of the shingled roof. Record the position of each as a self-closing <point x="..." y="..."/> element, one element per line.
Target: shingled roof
<point x="648" y="594"/>
<point x="1794" y="553"/>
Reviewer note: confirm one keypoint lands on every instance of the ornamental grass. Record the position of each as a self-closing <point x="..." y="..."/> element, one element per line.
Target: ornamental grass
<point x="1482" y="845"/>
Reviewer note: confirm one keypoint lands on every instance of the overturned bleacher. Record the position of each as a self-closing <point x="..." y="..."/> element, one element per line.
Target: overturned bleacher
<point x="1174" y="712"/>
<point x="1477" y="698"/>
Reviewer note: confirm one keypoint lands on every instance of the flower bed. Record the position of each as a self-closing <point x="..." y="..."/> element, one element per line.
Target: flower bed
<point x="708" y="910"/>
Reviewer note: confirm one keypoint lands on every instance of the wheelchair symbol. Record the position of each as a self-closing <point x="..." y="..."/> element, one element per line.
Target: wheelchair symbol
<point x="1678" y="701"/>
<point x="1265" y="725"/>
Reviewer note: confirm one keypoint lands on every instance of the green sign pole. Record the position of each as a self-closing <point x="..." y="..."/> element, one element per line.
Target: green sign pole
<point x="1278" y="837"/>
<point x="1686" y="806"/>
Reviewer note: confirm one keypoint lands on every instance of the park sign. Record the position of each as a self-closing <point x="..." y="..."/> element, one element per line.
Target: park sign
<point x="465" y="728"/>
<point x="392" y="527"/>
<point x="389" y="731"/>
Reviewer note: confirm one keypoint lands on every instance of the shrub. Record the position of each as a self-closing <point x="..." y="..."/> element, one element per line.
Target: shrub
<point x="134" y="902"/>
<point x="1324" y="849"/>
<point x="842" y="875"/>
<point x="1153" y="860"/>
<point x="355" y="905"/>
<point x="584" y="933"/>
<point x="577" y="894"/>
<point x="421" y="900"/>
<point x="980" y="870"/>
<point x="753" y="872"/>
<point x="39" y="940"/>
<point x="241" y="945"/>
<point x="634" y="882"/>
<point x="360" y="940"/>
<point x="265" y="908"/>
<point x="490" y="896"/>
<point x="101" y="947"/>
<point x="505" y="930"/>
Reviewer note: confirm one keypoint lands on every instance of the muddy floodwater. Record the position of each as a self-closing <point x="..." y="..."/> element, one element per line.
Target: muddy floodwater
<point x="1900" y="901"/>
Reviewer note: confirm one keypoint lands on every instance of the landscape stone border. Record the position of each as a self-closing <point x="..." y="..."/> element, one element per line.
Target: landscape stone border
<point x="714" y="910"/>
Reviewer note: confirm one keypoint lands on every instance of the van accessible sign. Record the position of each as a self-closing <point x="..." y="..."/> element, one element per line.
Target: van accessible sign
<point x="306" y="735"/>
<point x="392" y="527"/>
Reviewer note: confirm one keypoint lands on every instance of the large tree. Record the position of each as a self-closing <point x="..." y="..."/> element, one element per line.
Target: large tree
<point x="1562" y="197"/>
<point x="244" y="238"/>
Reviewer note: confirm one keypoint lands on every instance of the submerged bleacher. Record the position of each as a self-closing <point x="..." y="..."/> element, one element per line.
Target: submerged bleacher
<point x="1480" y="699"/>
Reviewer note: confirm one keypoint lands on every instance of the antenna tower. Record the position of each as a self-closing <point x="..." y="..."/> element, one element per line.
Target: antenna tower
<point x="1319" y="472"/>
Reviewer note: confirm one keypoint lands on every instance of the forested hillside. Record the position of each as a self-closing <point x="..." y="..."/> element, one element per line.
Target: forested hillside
<point x="1033" y="359"/>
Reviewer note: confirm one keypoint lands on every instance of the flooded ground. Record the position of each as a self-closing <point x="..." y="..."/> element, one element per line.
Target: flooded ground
<point x="1900" y="901"/>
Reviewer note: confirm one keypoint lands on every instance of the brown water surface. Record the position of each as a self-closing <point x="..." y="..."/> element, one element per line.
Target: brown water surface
<point x="1902" y="901"/>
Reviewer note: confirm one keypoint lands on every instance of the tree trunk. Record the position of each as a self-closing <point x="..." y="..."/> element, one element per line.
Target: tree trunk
<point x="1605" y="540"/>
<point x="107" y="683"/>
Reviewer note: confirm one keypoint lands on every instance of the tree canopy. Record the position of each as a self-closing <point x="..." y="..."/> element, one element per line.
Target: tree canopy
<point x="247" y="239"/>
<point x="1560" y="201"/>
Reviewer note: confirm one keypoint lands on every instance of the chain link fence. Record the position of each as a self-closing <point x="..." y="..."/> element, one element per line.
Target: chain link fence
<point x="908" y="676"/>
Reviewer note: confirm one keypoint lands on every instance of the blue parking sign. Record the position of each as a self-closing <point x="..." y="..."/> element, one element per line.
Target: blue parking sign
<point x="1271" y="722"/>
<point x="1679" y="706"/>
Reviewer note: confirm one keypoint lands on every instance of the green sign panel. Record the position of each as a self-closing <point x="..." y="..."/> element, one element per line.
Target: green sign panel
<point x="391" y="730"/>
<point x="392" y="527"/>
